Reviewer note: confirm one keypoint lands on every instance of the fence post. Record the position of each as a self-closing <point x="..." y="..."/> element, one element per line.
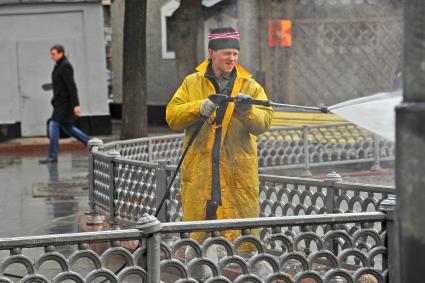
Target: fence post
<point x="331" y="195"/>
<point x="93" y="145"/>
<point x="151" y="227"/>
<point x="307" y="172"/>
<point x="388" y="206"/>
<point x="112" y="191"/>
<point x="376" y="166"/>
<point x="161" y="189"/>
<point x="150" y="149"/>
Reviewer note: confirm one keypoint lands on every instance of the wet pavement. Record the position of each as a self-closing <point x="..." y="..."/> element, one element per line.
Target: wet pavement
<point x="48" y="199"/>
<point x="42" y="199"/>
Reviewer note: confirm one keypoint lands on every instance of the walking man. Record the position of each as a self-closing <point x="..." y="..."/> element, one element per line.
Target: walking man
<point x="66" y="106"/>
<point x="220" y="171"/>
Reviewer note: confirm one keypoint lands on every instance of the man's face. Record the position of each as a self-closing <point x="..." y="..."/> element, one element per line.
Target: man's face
<point x="55" y="55"/>
<point x="223" y="60"/>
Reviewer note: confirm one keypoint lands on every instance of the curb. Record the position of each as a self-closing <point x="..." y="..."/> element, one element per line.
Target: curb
<point x="39" y="147"/>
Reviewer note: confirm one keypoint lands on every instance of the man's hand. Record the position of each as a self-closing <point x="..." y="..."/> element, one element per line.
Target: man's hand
<point x="207" y="108"/>
<point x="47" y="86"/>
<point x="242" y="103"/>
<point x="77" y="110"/>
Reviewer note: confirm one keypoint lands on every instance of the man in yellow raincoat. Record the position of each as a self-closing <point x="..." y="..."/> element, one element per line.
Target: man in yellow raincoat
<point x="220" y="171"/>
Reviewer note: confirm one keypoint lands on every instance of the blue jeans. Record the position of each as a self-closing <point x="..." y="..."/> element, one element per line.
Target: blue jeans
<point x="69" y="129"/>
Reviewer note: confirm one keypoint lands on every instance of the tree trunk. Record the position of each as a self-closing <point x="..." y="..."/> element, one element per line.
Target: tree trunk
<point x="184" y="23"/>
<point x="134" y="104"/>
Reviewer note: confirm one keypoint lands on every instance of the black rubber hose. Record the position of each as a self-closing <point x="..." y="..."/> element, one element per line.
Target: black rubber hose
<point x="189" y="143"/>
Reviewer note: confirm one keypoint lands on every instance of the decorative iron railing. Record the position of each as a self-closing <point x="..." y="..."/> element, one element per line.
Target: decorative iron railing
<point x="159" y="252"/>
<point x="286" y="147"/>
<point x="340" y="50"/>
<point x="287" y="196"/>
<point x="298" y="237"/>
<point x="321" y="145"/>
<point x="129" y="178"/>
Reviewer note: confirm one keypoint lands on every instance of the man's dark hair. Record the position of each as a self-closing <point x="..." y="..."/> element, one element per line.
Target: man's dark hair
<point x="59" y="48"/>
<point x="223" y="30"/>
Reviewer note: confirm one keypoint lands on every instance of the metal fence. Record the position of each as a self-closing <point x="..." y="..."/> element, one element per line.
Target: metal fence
<point x="283" y="147"/>
<point x="336" y="59"/>
<point x="128" y="179"/>
<point x="341" y="49"/>
<point x="322" y="145"/>
<point x="287" y="196"/>
<point x="306" y="248"/>
<point x="320" y="230"/>
<point x="156" y="252"/>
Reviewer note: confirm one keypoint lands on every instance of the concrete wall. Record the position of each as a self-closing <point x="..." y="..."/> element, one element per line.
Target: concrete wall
<point x="25" y="62"/>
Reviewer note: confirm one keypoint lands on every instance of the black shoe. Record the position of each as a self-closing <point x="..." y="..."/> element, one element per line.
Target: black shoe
<point x="48" y="160"/>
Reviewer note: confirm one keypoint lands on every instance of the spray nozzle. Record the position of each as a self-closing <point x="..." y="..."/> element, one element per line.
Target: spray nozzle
<point x="324" y="109"/>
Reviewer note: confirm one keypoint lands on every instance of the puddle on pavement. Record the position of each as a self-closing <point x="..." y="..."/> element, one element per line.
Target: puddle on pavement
<point x="42" y="199"/>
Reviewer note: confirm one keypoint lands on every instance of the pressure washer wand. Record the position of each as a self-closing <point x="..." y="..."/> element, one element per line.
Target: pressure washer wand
<point x="281" y="105"/>
<point x="220" y="99"/>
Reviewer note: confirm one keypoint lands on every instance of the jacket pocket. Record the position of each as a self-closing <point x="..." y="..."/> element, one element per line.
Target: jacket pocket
<point x="245" y="172"/>
<point x="194" y="166"/>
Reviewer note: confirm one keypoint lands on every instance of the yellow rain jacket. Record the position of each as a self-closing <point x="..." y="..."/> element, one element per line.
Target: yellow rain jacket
<point x="238" y="155"/>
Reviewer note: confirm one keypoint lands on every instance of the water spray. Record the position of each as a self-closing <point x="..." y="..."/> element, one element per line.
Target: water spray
<point x="220" y="99"/>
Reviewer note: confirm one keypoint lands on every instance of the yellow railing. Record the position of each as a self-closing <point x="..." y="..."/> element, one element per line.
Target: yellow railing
<point x="304" y="119"/>
<point x="324" y="135"/>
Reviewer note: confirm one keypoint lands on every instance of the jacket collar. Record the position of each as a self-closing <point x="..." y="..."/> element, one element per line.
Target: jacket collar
<point x="59" y="63"/>
<point x="241" y="71"/>
<point x="61" y="60"/>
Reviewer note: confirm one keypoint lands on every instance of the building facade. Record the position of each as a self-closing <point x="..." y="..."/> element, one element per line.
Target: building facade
<point x="29" y="29"/>
<point x="308" y="52"/>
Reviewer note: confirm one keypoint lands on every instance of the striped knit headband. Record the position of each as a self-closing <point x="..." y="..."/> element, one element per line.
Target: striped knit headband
<point x="233" y="35"/>
<point x="223" y="38"/>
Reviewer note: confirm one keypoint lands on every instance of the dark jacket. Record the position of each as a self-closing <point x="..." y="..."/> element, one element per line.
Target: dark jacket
<point x="65" y="96"/>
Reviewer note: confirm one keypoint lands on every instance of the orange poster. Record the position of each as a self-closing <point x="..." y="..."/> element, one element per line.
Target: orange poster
<point x="280" y="33"/>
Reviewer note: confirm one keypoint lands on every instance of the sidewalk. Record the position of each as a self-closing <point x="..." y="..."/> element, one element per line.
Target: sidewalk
<point x="36" y="144"/>
<point x="41" y="144"/>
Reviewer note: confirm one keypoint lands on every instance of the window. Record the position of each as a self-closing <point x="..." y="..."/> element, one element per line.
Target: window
<point x="166" y="42"/>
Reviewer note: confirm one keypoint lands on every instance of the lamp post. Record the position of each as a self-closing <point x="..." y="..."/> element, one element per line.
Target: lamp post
<point x="410" y="147"/>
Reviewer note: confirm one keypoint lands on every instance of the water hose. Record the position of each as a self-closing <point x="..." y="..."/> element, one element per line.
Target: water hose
<point x="170" y="184"/>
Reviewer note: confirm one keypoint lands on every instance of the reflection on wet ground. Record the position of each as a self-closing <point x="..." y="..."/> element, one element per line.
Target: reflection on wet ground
<point x="42" y="199"/>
